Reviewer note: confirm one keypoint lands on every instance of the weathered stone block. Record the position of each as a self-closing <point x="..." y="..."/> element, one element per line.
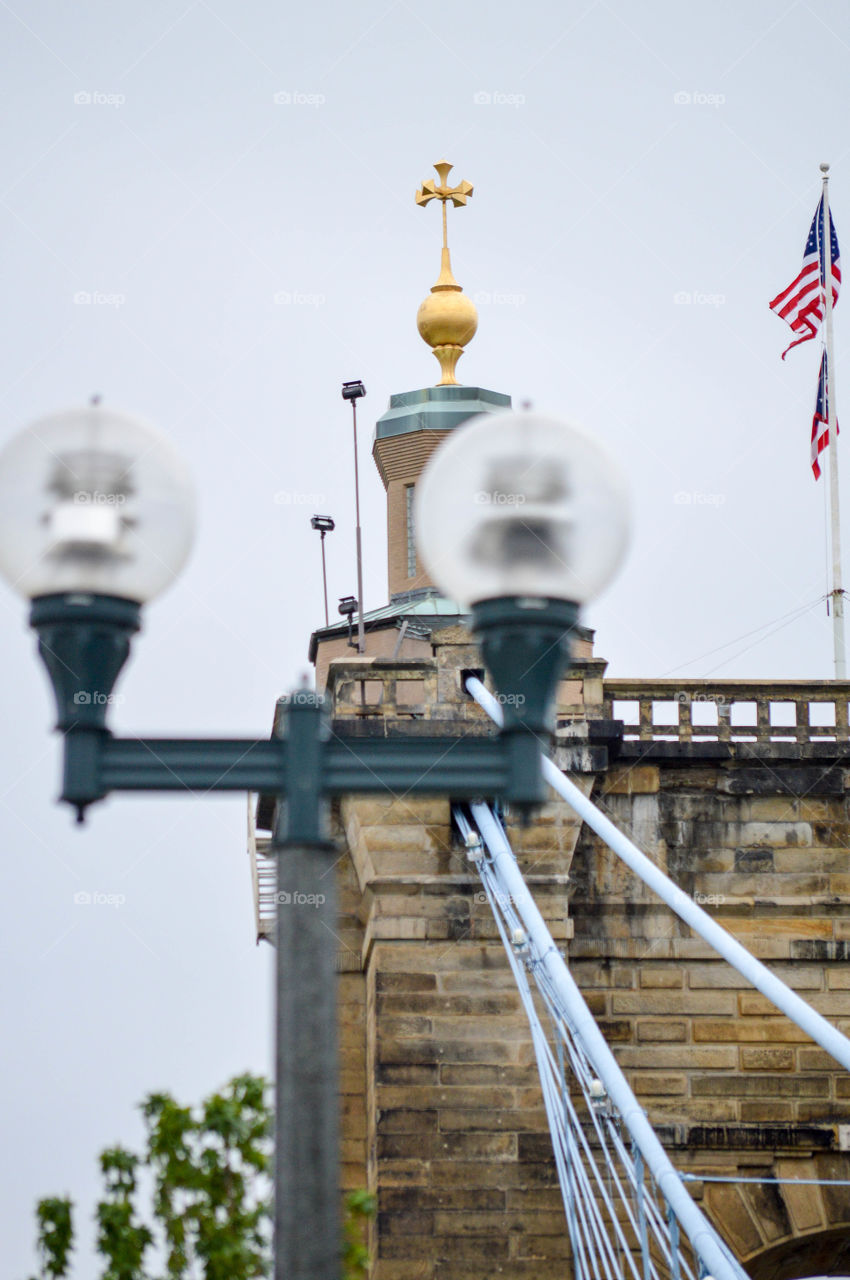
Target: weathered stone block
<point x="406" y="1120"/>
<point x="794" y="1086"/>
<point x="650" y="1029"/>
<point x="773" y="1030"/>
<point x="767" y="1059"/>
<point x="661" y="979"/>
<point x="498" y="1120"/>
<point x="685" y="1057"/>
<point x="762" y="1112"/>
<point x="673" y="1002"/>
<point x="649" y="1083"/>
<point x="633" y="780"/>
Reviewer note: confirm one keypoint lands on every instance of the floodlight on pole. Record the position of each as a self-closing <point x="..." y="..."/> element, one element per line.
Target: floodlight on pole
<point x="353" y="391"/>
<point x="348" y="607"/>
<point x="324" y="524"/>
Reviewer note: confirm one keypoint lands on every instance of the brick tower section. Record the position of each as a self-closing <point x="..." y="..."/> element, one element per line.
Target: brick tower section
<point x="405" y="437"/>
<point x="400" y="461"/>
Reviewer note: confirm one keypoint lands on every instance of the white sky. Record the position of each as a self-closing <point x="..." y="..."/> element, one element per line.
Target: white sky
<point x="185" y="191"/>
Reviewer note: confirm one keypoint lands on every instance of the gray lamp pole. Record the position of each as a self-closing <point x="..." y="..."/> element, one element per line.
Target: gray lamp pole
<point x="101" y="520"/>
<point x="84" y="641"/>
<point x="323" y="525"/>
<point x="354" y="391"/>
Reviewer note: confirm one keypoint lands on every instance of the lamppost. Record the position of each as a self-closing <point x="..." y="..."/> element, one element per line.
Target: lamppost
<point x="324" y="525"/>
<point x="520" y="518"/>
<point x="355" y="391"/>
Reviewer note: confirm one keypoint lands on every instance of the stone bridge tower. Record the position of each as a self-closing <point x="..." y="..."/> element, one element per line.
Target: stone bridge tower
<point x="737" y="789"/>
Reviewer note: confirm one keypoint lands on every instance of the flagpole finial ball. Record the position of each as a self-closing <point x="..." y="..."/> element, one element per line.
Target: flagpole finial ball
<point x="824" y="168"/>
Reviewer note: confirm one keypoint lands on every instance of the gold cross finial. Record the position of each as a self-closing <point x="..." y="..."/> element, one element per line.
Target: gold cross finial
<point x="448" y="319"/>
<point x="430" y="190"/>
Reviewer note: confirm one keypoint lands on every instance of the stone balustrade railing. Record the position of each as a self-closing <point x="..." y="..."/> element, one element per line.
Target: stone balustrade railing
<point x="765" y="711"/>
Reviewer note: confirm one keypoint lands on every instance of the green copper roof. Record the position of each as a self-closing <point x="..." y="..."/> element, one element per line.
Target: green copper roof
<point x="437" y="409"/>
<point x="417" y="605"/>
<point x="422" y="605"/>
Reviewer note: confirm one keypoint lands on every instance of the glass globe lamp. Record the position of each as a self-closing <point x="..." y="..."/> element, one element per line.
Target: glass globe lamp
<point x="521" y="505"/>
<point x="97" y="517"/>
<point x="522" y="519"/>
<point x="93" y="500"/>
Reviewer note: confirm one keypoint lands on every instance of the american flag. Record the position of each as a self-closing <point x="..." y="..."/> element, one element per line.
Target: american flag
<point x="801" y="305"/>
<point x="820" y="422"/>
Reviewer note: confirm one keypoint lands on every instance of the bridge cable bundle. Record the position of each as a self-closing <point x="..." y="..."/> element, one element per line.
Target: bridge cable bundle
<point x="627" y="1207"/>
<point x="623" y="1199"/>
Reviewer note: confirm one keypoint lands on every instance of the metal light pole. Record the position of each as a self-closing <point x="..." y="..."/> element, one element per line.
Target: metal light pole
<point x="88" y="568"/>
<point x="354" y="391"/>
<point x="324" y="524"/>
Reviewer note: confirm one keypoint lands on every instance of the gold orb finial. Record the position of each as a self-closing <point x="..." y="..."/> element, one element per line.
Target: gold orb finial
<point x="447" y="319"/>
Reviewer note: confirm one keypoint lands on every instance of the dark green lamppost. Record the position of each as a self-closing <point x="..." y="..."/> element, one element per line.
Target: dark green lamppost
<point x="519" y="518"/>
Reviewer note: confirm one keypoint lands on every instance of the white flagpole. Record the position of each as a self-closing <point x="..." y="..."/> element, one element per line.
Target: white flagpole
<point x="837" y="592"/>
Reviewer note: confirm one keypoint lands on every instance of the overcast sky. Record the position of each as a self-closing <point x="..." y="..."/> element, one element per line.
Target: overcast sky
<point x="231" y="186"/>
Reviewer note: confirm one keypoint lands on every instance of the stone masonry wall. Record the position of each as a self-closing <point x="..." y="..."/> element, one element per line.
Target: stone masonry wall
<point x="443" y="1116"/>
<point x="735" y="1088"/>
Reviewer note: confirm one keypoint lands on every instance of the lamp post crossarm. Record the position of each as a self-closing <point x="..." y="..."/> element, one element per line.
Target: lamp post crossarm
<point x="464" y="767"/>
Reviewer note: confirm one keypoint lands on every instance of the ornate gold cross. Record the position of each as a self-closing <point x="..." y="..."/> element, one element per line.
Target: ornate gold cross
<point x="430" y="190"/>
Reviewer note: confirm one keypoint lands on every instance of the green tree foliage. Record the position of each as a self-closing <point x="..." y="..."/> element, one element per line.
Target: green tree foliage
<point x="360" y="1206"/>
<point x="211" y="1194"/>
